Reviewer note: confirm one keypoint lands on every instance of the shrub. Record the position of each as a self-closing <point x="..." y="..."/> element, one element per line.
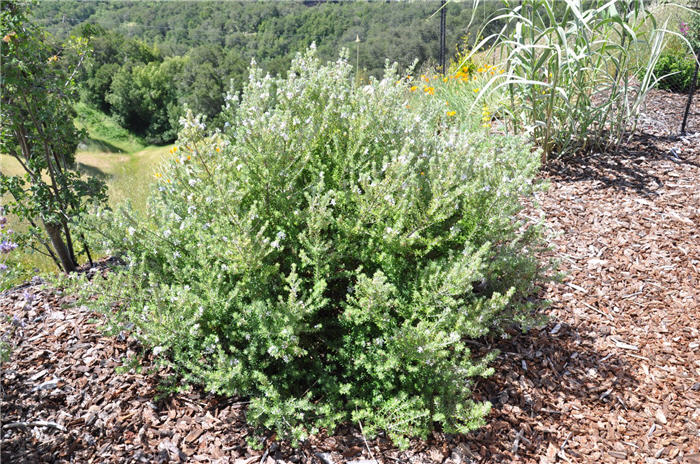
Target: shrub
<point x="328" y="253"/>
<point x="675" y="71"/>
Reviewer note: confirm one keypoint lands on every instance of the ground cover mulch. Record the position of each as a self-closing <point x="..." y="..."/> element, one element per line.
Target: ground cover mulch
<point x="613" y="377"/>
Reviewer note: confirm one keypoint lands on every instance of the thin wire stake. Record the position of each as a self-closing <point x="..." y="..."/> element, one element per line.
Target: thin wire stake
<point x="693" y="83"/>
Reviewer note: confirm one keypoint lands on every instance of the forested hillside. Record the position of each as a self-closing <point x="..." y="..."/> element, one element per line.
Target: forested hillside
<point x="151" y="58"/>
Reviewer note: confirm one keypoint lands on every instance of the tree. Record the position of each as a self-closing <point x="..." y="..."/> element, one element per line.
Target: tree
<point x="37" y="93"/>
<point x="143" y="99"/>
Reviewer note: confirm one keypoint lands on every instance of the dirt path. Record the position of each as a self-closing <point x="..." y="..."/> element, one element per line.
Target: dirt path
<point x="614" y="377"/>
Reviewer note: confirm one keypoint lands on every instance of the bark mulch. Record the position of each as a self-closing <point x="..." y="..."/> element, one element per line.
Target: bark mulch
<point x="613" y="377"/>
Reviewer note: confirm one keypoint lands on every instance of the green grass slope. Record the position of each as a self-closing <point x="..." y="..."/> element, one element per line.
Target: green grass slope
<point x="110" y="152"/>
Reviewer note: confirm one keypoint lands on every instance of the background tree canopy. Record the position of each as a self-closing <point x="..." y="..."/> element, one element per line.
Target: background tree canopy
<point x="151" y="58"/>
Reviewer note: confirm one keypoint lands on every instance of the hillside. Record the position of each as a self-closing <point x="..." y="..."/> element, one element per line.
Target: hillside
<point x="123" y="160"/>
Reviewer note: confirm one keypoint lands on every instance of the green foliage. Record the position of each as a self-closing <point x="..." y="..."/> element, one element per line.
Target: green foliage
<point x="218" y="40"/>
<point x="691" y="31"/>
<point x="38" y="131"/>
<point x="110" y="52"/>
<point x="572" y="73"/>
<point x="104" y="133"/>
<point x="327" y="253"/>
<point x="675" y="71"/>
<point x="143" y="98"/>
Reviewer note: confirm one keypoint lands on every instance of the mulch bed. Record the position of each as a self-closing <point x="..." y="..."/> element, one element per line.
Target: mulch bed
<point x="613" y="377"/>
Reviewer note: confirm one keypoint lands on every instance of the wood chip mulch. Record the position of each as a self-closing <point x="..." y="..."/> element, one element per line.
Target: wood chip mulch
<point x="613" y="377"/>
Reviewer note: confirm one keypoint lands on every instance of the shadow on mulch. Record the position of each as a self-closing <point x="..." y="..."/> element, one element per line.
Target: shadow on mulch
<point x="542" y="380"/>
<point x="625" y="169"/>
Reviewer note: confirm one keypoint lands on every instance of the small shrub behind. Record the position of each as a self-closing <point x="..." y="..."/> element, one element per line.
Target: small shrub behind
<point x="675" y="71"/>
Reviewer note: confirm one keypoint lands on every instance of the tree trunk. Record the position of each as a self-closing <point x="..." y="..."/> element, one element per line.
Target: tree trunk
<point x="64" y="254"/>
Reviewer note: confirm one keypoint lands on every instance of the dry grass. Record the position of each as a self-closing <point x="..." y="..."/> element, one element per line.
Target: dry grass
<point x="128" y="177"/>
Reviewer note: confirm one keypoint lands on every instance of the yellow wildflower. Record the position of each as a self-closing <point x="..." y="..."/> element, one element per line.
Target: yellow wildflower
<point x="157" y="175"/>
<point x="218" y="149"/>
<point x="53" y="58"/>
<point x="451" y="113"/>
<point x="9" y="37"/>
<point x="413" y="88"/>
<point x="476" y="89"/>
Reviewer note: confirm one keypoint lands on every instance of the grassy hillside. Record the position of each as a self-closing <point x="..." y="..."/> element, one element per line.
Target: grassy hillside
<point x="104" y="134"/>
<point x="109" y="152"/>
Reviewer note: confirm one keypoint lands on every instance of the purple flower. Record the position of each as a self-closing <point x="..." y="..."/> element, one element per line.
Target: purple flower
<point x="3" y="267"/>
<point x="684" y="28"/>
<point x="28" y="296"/>
<point x="7" y="246"/>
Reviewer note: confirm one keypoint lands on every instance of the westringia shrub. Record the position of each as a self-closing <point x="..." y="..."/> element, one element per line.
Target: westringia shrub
<point x="328" y="253"/>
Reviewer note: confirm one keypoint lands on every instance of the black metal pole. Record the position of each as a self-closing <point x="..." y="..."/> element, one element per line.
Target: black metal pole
<point x="691" y="92"/>
<point x="443" y="26"/>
